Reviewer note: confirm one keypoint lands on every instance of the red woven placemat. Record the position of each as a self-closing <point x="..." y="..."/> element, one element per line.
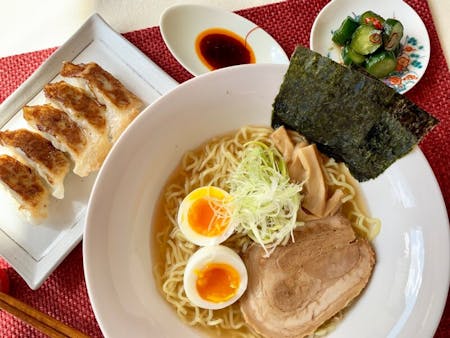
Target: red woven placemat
<point x="64" y="294"/>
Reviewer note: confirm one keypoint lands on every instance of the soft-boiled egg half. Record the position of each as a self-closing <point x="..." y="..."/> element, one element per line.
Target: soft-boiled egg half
<point x="204" y="216"/>
<point x="215" y="277"/>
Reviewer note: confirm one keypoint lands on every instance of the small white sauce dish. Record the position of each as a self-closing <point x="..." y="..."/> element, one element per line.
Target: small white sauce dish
<point x="412" y="61"/>
<point x="181" y="25"/>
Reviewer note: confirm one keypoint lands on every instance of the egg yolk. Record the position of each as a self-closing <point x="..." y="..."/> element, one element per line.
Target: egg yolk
<point x="207" y="218"/>
<point x="217" y="282"/>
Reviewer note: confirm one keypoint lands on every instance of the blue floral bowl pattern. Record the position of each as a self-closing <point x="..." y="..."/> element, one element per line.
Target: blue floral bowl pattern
<point x="409" y="63"/>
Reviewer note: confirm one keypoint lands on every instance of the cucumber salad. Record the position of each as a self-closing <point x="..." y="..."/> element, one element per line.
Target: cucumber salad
<point x="370" y="41"/>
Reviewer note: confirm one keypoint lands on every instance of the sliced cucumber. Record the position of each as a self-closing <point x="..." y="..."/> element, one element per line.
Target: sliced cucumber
<point x="381" y="64"/>
<point x="345" y="31"/>
<point x="351" y="57"/>
<point x="366" y="40"/>
<point x="393" y="33"/>
<point x="398" y="50"/>
<point x="371" y="18"/>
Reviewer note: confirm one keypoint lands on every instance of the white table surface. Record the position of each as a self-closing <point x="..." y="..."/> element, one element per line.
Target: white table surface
<point x="29" y="25"/>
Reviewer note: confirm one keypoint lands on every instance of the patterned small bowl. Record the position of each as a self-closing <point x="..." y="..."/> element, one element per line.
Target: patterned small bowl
<point x="413" y="59"/>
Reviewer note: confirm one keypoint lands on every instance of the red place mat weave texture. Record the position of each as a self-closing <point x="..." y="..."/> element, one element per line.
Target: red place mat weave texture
<point x="64" y="293"/>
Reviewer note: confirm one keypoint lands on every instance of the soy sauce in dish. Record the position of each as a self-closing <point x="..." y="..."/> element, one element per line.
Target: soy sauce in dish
<point x="219" y="48"/>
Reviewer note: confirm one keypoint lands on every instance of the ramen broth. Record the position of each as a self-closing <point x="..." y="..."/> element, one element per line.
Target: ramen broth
<point x="167" y="242"/>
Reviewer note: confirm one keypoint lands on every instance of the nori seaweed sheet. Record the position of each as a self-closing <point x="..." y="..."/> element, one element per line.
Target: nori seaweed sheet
<point x="350" y="116"/>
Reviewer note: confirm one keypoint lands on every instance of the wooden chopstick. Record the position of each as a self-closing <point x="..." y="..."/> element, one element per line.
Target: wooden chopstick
<point x="41" y="321"/>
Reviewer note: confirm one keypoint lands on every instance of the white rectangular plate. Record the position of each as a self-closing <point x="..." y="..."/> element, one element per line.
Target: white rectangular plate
<point x="34" y="251"/>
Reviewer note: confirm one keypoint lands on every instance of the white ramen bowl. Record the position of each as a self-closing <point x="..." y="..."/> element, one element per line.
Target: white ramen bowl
<point x="407" y="292"/>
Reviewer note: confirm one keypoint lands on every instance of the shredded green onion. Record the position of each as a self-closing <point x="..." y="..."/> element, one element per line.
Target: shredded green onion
<point x="264" y="201"/>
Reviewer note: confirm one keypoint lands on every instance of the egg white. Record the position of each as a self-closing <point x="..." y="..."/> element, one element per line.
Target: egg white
<point x="199" y="260"/>
<point x="185" y="227"/>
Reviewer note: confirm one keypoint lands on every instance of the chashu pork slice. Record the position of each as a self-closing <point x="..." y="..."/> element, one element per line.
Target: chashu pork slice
<point x="122" y="106"/>
<point x="301" y="285"/>
<point x="39" y="153"/>
<point x="88" y="114"/>
<point x="26" y="187"/>
<point x="64" y="134"/>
